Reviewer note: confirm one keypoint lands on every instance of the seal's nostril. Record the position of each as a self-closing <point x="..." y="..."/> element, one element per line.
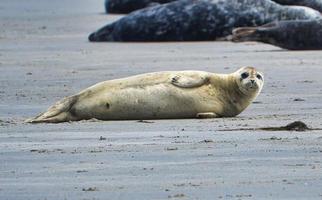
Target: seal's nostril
<point x="252" y="81"/>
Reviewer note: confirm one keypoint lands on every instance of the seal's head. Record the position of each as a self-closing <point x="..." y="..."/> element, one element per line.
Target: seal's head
<point x="249" y="80"/>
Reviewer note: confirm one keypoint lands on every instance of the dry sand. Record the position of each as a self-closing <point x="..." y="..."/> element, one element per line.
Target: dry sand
<point x="45" y="55"/>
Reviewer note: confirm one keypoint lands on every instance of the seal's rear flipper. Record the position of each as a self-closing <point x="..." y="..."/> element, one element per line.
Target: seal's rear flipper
<point x="244" y="34"/>
<point x="258" y="33"/>
<point x="56" y="113"/>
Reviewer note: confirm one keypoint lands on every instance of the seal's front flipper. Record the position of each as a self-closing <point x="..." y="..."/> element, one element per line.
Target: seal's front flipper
<point x="59" y="112"/>
<point x="185" y="81"/>
<point x="206" y="115"/>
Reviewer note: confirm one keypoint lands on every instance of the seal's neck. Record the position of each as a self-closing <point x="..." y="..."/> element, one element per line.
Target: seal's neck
<point x="236" y="99"/>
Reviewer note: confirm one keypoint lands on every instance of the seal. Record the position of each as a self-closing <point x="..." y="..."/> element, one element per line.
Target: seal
<point x="291" y="35"/>
<point x="315" y="4"/>
<point x="191" y="20"/>
<point x="127" y="6"/>
<point x="160" y="95"/>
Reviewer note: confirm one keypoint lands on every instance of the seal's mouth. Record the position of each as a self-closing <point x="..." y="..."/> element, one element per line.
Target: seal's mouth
<point x="251" y="86"/>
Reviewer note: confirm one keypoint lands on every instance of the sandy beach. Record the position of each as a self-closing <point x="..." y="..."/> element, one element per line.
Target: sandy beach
<point x="45" y="56"/>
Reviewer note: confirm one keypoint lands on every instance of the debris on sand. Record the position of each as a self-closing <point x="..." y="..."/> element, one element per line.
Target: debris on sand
<point x="177" y="196"/>
<point x="294" y="126"/>
<point x="6" y="122"/>
<point x="272" y="138"/>
<point x="102" y="138"/>
<point x="81" y="171"/>
<point x="298" y="99"/>
<point x="206" y="141"/>
<point x="39" y="150"/>
<point x="143" y="121"/>
<point x="172" y="148"/>
<point x="90" y="189"/>
<point x="297" y="126"/>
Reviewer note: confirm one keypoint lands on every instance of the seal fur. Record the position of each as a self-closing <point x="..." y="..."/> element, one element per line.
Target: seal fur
<point x="160" y="95"/>
<point x="127" y="6"/>
<point x="197" y="20"/>
<point x="291" y="35"/>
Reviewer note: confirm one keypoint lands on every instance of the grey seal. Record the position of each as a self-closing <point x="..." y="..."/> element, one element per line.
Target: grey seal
<point x="197" y="20"/>
<point x="127" y="6"/>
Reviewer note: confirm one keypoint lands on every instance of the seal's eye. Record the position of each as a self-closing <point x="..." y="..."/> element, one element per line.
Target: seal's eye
<point x="259" y="77"/>
<point x="244" y="75"/>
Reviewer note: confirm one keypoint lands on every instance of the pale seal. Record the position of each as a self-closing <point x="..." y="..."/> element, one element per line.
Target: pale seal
<point x="292" y="35"/>
<point x="197" y="20"/>
<point x="160" y="95"/>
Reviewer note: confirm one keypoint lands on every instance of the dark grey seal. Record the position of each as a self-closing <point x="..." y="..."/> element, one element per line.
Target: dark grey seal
<point x="292" y="35"/>
<point x="127" y="6"/>
<point x="315" y="4"/>
<point x="197" y="20"/>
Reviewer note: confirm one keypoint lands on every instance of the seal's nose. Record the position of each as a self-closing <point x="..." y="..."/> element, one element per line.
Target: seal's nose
<point x="92" y="37"/>
<point x="252" y="81"/>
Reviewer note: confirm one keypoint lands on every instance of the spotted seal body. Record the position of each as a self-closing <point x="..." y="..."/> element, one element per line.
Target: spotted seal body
<point x="127" y="6"/>
<point x="160" y="95"/>
<point x="197" y="20"/>
<point x="292" y="35"/>
<point x="315" y="4"/>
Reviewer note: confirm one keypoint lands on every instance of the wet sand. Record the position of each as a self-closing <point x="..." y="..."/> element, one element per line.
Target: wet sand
<point x="45" y="55"/>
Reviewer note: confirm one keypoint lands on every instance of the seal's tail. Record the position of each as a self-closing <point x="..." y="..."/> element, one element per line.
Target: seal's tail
<point x="59" y="112"/>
